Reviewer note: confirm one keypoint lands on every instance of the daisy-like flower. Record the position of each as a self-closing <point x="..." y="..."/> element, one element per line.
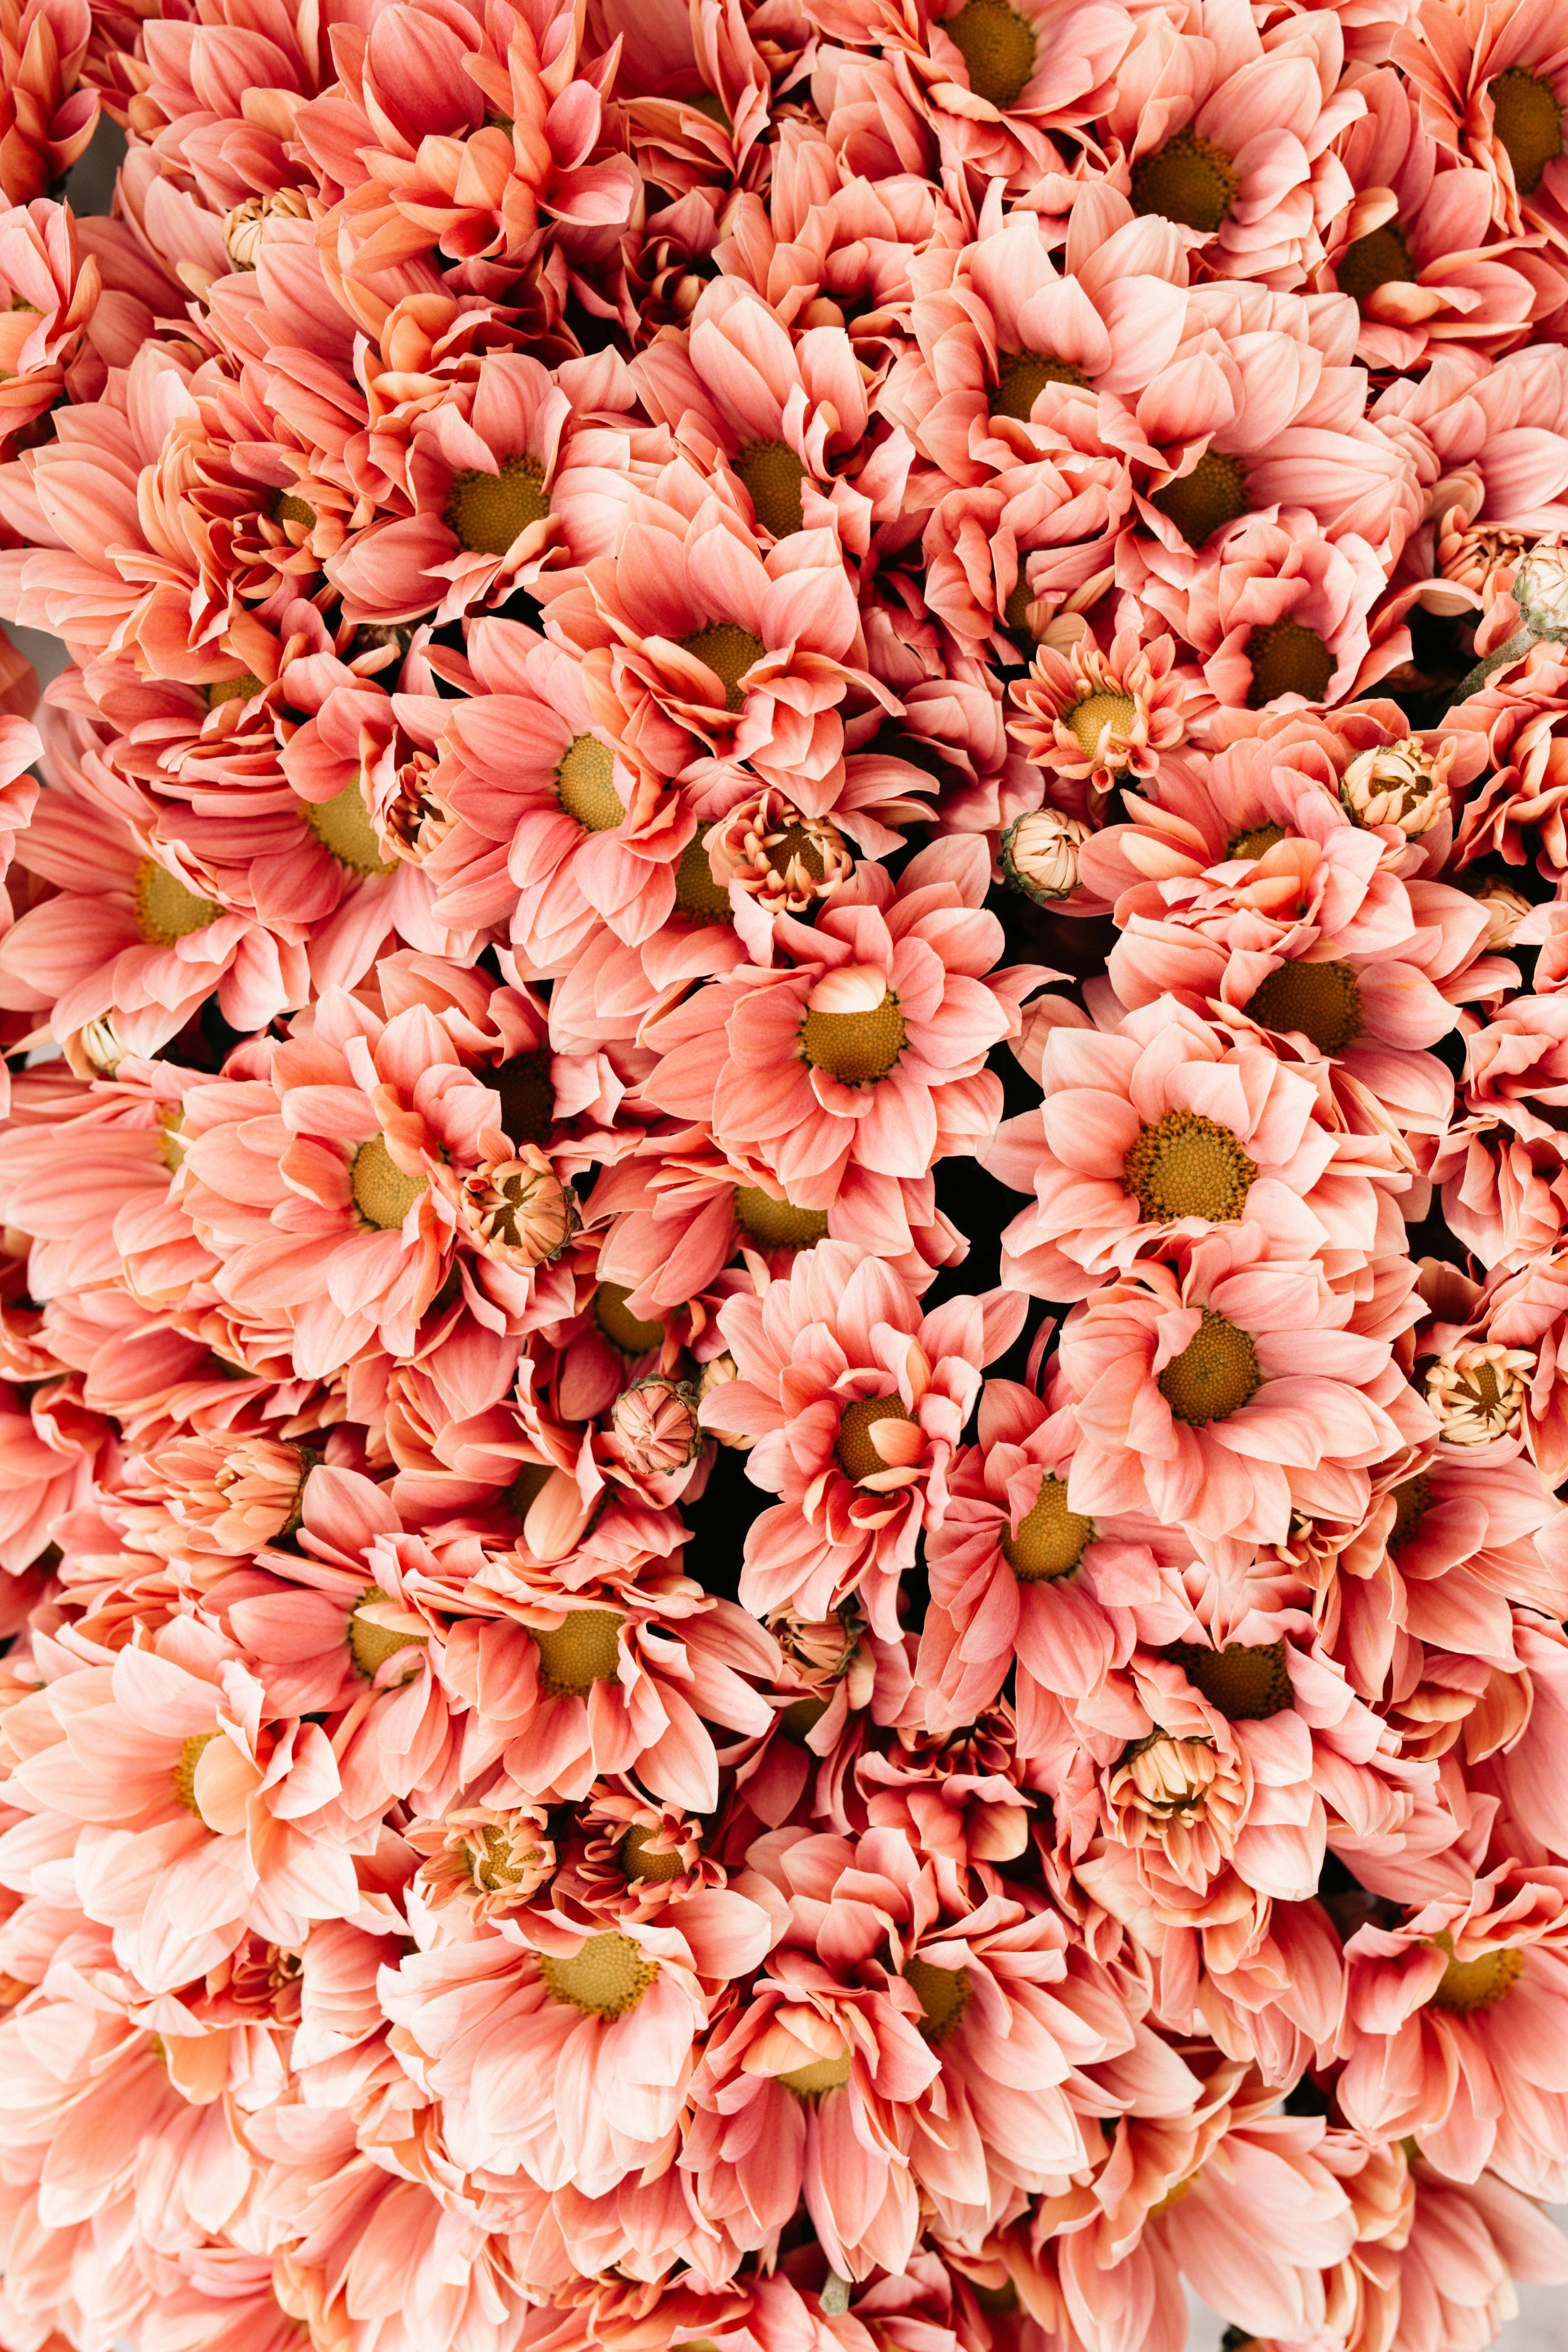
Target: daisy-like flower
<point x="857" y="1402"/>
<point x="1224" y="1392"/>
<point x="1101" y="717"/>
<point x="867" y="1047"/>
<point x="1130" y="1146"/>
<point x="1445" y="2009"/>
<point x="1516" y="811"/>
<point x="1505" y="1188"/>
<point x="1491" y="85"/>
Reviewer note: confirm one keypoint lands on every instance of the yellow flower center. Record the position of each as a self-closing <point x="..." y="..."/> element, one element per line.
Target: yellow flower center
<point x="1381" y="257"/>
<point x="527" y="1094"/>
<point x="1320" y="1000"/>
<point x="943" y="1995"/>
<point x="369" y="1644"/>
<point x="583" y="1651"/>
<point x="342" y="827"/>
<point x="640" y="1859"/>
<point x="1190" y="180"/>
<point x="729" y="652"/>
<point x="773" y="475"/>
<point x="1091" y="718"/>
<point x="998" y="48"/>
<point x="526" y="1486"/>
<point x="822" y="2074"/>
<point x="384" y="1192"/>
<point x="1204" y="501"/>
<point x="1470" y="1985"/>
<point x="696" y="894"/>
<point x="233" y="690"/>
<point x="170" y="1151"/>
<point x="1016" y="611"/>
<point x="165" y="909"/>
<point x="1051" y="1540"/>
<point x="777" y="1225"/>
<point x="1246" y="1684"/>
<point x="500" y="1864"/>
<point x="608" y="1977"/>
<point x="185" y="1769"/>
<point x="585" y="785"/>
<point x="1021" y="377"/>
<point x="1410" y="1500"/>
<point x="630" y="1333"/>
<point x="1287" y="660"/>
<point x="858" y="1049"/>
<point x="1215" y="1375"/>
<point x="1257" y="843"/>
<point x="857" y="1456"/>
<point x="485" y="511"/>
<point x="1528" y="121"/>
<point x="1185" y="1165"/>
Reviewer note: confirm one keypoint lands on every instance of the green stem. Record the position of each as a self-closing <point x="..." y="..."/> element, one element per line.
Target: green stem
<point x="1510" y="651"/>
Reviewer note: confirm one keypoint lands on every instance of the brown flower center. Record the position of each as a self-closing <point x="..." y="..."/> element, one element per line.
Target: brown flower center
<point x="584" y="1650"/>
<point x="822" y="2074"/>
<point x="608" y="1977"/>
<point x="485" y="511"/>
<point x="1528" y="121"/>
<point x="233" y="690"/>
<point x="1470" y="1985"/>
<point x="943" y="1995"/>
<point x="1091" y="718"/>
<point x="185" y="1768"/>
<point x="858" y="1049"/>
<point x="288" y="508"/>
<point x="729" y="652"/>
<point x="1257" y="843"/>
<point x="1246" y="1684"/>
<point x="1016" y="611"/>
<point x="585" y="785"/>
<point x="1381" y="257"/>
<point x="165" y="909"/>
<point x="630" y="1333"/>
<point x="342" y="827"/>
<point x="383" y="1192"/>
<point x="1215" y="1375"/>
<point x="774" y="476"/>
<point x="1190" y="180"/>
<point x="997" y="46"/>
<point x="695" y="891"/>
<point x="801" y="1715"/>
<point x="1320" y="999"/>
<point x="1185" y="1165"/>
<point x="369" y="1644"/>
<point x="777" y="1225"/>
<point x="857" y="1456"/>
<point x="1287" y="658"/>
<point x="527" y="1094"/>
<point x="1410" y="1499"/>
<point x="1021" y="377"/>
<point x="1051" y="1540"/>
<point x="640" y="1859"/>
<point x="1204" y="501"/>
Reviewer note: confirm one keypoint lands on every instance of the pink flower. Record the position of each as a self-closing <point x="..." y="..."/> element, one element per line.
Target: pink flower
<point x="858" y="1402"/>
<point x="1500" y="1163"/>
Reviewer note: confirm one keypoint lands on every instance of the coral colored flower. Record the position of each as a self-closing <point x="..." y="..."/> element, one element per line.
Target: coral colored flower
<point x="1491" y="83"/>
<point x="1096" y="717"/>
<point x="858" y="1402"/>
<point x="1129" y="1147"/>
<point x="1500" y="1163"/>
<point x="1224" y="1392"/>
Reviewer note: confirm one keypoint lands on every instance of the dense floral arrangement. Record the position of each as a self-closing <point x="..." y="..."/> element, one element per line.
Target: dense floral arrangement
<point x="783" y="1312"/>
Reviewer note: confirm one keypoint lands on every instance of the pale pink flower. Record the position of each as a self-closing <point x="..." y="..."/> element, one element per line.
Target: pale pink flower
<point x="1101" y="717"/>
<point x="1491" y="81"/>
<point x="1505" y="1192"/>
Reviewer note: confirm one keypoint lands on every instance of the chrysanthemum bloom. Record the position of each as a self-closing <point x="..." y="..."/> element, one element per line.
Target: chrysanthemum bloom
<point x="1441" y="2256"/>
<point x="783" y="415"/>
<point x="1004" y="556"/>
<point x="1505" y="1187"/>
<point x="1516" y="811"/>
<point x="54" y="289"/>
<point x="51" y="1452"/>
<point x="1525" y="1312"/>
<point x="1274" y="612"/>
<point x="836" y="1679"/>
<point x="1454" y="2031"/>
<point x="1506" y="429"/>
<point x="557" y="830"/>
<point x="1167" y="1126"/>
<point x="1419" y="248"/>
<point x="1231" y="135"/>
<point x="1223" y="1391"/>
<point x="45" y="121"/>
<point x="498" y="487"/>
<point x="1101" y="717"/>
<point x="229" y="1493"/>
<point x="1491" y="82"/>
<point x="1014" y="1575"/>
<point x="490" y="1858"/>
<point x="867" y="1047"/>
<point x="628" y="1855"/>
<point x="181" y="1807"/>
<point x="857" y="1402"/>
<point x="696" y="646"/>
<point x="1242" y="2202"/>
<point x="500" y="2035"/>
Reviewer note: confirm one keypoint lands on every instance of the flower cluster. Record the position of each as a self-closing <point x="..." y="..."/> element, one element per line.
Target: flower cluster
<point x="783" y="1175"/>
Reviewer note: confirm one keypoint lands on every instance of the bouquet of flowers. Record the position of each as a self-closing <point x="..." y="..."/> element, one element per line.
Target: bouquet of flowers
<point x="784" y="1302"/>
